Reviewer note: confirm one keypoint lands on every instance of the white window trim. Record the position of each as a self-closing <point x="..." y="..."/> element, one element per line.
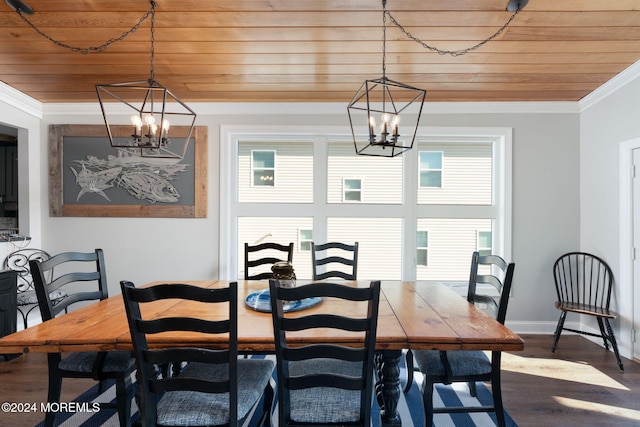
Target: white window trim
<point x="320" y="209"/>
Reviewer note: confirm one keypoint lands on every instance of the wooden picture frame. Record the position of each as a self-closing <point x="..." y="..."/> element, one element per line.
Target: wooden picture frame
<point x="99" y="187"/>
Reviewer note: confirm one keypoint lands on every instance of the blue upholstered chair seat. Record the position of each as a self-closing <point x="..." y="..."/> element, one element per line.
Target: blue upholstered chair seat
<point x="463" y="362"/>
<point x="325" y="404"/>
<point x="191" y="408"/>
<point x="115" y="361"/>
<point x="29" y="297"/>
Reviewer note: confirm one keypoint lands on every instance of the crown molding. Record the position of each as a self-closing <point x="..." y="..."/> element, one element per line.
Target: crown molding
<point x="20" y="101"/>
<point x="619" y="81"/>
<point x="329" y="108"/>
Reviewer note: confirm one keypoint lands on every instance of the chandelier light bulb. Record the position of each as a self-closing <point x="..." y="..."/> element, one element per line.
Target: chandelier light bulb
<point x="136" y="121"/>
<point x="395" y="124"/>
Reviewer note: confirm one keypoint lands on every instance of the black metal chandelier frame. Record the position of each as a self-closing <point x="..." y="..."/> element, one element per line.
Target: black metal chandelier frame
<point x="387" y="98"/>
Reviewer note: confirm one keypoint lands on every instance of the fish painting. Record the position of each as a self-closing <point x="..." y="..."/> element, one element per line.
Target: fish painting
<point x="95" y="181"/>
<point x="145" y="185"/>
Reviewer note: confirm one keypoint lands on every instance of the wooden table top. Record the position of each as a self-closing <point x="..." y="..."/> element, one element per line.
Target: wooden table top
<point x="411" y="315"/>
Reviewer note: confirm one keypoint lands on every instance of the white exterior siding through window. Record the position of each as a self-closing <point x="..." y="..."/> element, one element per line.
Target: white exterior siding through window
<point x="308" y="195"/>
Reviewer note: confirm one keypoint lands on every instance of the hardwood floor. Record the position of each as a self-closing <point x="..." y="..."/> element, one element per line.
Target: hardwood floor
<point x="578" y="385"/>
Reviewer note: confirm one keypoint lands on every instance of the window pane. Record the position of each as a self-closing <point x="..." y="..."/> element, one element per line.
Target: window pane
<point x="484" y="239"/>
<point x="294" y="170"/>
<point x="421" y="257"/>
<point x="264" y="159"/>
<point x="382" y="175"/>
<point x="430" y="160"/>
<point x="305" y="239"/>
<point x="352" y="184"/>
<point x="379" y="244"/>
<point x="451" y="243"/>
<point x="422" y="239"/>
<point x="263" y="178"/>
<point x="431" y="179"/>
<point x="352" y="196"/>
<point x="467" y="167"/>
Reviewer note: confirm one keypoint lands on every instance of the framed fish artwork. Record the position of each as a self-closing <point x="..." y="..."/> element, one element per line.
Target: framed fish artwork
<point x="88" y="177"/>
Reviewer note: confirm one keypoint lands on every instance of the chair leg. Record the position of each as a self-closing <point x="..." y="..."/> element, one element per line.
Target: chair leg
<point x="267" y="406"/>
<point x="55" y="387"/>
<point x="603" y="333"/>
<point x="124" y="390"/>
<point x="614" y="343"/>
<point x="408" y="357"/>
<point x="496" y="391"/>
<point x="556" y="335"/>
<point x="427" y="401"/>
<point x="473" y="391"/>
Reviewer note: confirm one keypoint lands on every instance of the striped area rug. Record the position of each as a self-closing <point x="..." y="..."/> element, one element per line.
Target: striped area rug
<point x="409" y="407"/>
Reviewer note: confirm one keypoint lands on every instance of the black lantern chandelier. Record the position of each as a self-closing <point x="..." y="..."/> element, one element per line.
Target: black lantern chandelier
<point x="153" y="108"/>
<point x="379" y="103"/>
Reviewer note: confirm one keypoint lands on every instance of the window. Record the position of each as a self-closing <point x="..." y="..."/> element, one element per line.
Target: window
<point x="263" y="168"/>
<point x="406" y="231"/>
<point x="352" y="190"/>
<point x="305" y="237"/>
<point x="430" y="168"/>
<point x="382" y="176"/>
<point x="484" y="242"/>
<point x="422" y="243"/>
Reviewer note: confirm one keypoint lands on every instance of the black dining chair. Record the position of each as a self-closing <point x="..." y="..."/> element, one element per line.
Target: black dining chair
<point x="324" y="383"/>
<point x="469" y="366"/>
<point x="262" y="257"/>
<point x="335" y="257"/>
<point x="213" y="387"/>
<point x="583" y="285"/>
<point x="83" y="277"/>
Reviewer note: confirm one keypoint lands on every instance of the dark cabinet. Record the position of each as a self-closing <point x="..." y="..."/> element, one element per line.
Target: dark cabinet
<point x="8" y="302"/>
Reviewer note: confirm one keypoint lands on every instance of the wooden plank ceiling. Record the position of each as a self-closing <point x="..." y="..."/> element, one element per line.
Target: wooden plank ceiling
<point x="321" y="50"/>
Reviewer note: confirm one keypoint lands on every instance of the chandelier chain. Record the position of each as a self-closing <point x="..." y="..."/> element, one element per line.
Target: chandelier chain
<point x="153" y="39"/>
<point x="87" y="50"/>
<point x="384" y="38"/>
<point x="459" y="52"/>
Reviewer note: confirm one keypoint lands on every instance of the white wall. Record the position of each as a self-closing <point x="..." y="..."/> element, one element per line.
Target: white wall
<point x="546" y="208"/>
<point x="605" y="125"/>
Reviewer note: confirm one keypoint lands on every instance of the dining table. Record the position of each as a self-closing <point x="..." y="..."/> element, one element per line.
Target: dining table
<point x="412" y="315"/>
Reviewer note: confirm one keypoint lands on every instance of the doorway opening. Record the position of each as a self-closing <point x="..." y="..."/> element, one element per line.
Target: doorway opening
<point x="9" y="180"/>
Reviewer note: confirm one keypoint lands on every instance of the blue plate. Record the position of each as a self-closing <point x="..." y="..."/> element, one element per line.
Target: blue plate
<point x="261" y="301"/>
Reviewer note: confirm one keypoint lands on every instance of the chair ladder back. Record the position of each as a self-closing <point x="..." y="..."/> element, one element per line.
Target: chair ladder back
<point x="501" y="278"/>
<point x="268" y="260"/>
<point x="46" y="280"/>
<point x="147" y="358"/>
<point x="584" y="279"/>
<point x="333" y="259"/>
<point x="291" y="357"/>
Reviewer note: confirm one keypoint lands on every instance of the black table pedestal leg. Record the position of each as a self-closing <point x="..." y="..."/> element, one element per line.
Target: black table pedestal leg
<point x="388" y="387"/>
